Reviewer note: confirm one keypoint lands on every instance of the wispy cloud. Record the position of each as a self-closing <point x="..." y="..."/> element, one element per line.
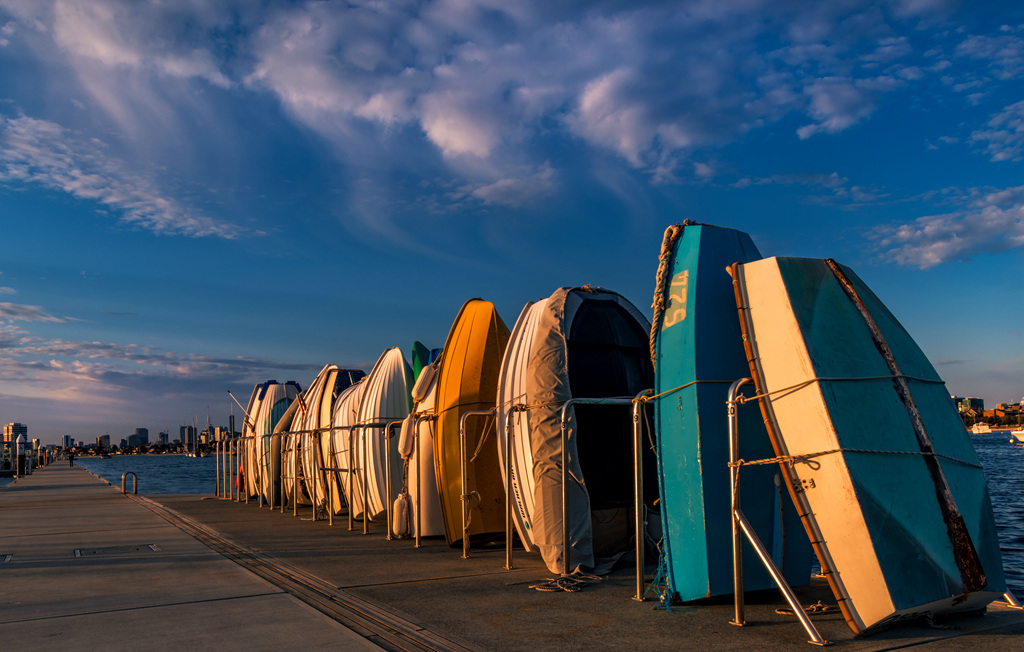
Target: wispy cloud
<point x="40" y="152"/>
<point x="992" y="222"/>
<point x="20" y="312"/>
<point x="1004" y="136"/>
<point x="7" y="290"/>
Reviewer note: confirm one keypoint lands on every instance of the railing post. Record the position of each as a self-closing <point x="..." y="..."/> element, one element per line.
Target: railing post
<point x="135" y="482"/>
<point x="638" y="490"/>
<point x="387" y="474"/>
<point x="508" y="483"/>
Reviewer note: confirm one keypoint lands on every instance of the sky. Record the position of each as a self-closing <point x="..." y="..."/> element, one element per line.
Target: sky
<point x="198" y="196"/>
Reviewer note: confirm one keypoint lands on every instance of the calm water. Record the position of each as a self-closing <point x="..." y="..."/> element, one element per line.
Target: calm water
<point x="1004" y="468"/>
<point x="1003" y="462"/>
<point x="157" y="474"/>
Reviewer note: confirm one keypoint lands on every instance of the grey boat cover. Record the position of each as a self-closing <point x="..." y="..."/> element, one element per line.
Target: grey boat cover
<point x="590" y="343"/>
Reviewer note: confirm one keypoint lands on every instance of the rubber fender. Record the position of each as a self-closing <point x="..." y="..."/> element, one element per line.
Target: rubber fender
<point x="407" y="438"/>
<point x="400" y="515"/>
<point x="422" y="386"/>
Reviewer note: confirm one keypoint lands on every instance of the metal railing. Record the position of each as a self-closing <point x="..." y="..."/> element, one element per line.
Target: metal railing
<point x="135" y="482"/>
<point x="463" y="464"/>
<point x="739" y="523"/>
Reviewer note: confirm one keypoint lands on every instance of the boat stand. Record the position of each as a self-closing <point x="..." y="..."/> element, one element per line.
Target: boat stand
<point x="740" y="524"/>
<point x="466" y="494"/>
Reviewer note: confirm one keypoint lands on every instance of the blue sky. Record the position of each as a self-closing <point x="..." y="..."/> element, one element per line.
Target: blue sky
<point x="198" y="196"/>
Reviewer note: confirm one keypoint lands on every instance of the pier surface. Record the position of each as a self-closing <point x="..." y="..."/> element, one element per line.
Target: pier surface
<point x="92" y="568"/>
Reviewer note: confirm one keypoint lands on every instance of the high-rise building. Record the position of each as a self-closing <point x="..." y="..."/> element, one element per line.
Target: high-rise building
<point x="188" y="436"/>
<point x="103" y="441"/>
<point x="143" y="436"/>
<point x="163" y="438"/>
<point x="12" y="430"/>
<point x="67" y="441"/>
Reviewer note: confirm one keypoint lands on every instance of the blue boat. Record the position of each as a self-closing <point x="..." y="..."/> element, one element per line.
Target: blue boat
<point x="698" y="353"/>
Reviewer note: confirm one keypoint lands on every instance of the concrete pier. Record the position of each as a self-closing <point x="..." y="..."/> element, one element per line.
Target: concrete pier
<point x="93" y="568"/>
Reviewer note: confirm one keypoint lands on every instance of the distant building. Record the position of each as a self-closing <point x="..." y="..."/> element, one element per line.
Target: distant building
<point x="143" y="436"/>
<point x="67" y="441"/>
<point x="188" y="435"/>
<point x="972" y="403"/>
<point x="12" y="430"/>
<point x="163" y="438"/>
<point x="103" y="441"/>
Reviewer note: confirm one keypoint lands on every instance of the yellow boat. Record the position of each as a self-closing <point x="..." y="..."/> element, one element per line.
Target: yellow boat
<point x="468" y="381"/>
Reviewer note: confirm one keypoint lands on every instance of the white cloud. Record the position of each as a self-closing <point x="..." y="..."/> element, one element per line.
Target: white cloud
<point x="7" y="290"/>
<point x="126" y="34"/>
<point x="38" y="152"/>
<point x="516" y="192"/>
<point x="1004" y="53"/>
<point x="1004" y="137"/>
<point x="992" y="222"/>
<point x="838" y="104"/>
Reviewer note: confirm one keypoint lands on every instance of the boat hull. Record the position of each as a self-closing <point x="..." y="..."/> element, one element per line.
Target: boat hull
<point x="883" y="469"/>
<point x="698" y="354"/>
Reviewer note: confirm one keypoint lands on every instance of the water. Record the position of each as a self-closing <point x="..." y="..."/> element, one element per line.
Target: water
<point x="1003" y="462"/>
<point x="1004" y="469"/>
<point x="157" y="474"/>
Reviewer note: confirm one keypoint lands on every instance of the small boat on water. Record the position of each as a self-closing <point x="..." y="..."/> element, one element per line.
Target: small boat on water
<point x="1017" y="435"/>
<point x="981" y="429"/>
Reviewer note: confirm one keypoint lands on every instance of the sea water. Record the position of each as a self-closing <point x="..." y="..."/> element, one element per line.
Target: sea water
<point x="1003" y="462"/>
<point x="157" y="474"/>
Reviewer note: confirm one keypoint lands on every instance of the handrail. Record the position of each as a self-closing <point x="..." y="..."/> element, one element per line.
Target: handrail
<point x="565" y="465"/>
<point x="462" y="460"/>
<point x="135" y="482"/>
<point x="508" y="482"/>
<point x="739" y="522"/>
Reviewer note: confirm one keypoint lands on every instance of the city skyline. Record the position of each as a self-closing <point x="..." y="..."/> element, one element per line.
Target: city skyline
<point x="199" y="198"/>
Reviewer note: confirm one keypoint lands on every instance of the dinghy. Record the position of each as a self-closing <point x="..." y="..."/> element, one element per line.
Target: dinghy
<point x="277" y="397"/>
<point x="386" y="398"/>
<point x="468" y="381"/>
<point x="422" y="478"/>
<point x="884" y="473"/>
<point x="698" y="353"/>
<point x="346" y="414"/>
<point x="578" y="343"/>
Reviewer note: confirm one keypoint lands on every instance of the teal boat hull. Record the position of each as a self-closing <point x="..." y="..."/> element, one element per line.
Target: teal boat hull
<point x="699" y="348"/>
<point x="883" y="467"/>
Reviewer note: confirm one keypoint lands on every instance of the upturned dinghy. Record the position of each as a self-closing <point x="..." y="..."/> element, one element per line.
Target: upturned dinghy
<point x="276" y="399"/>
<point x="385" y="398"/>
<point x="422" y="478"/>
<point x="698" y="353"/>
<point x="875" y="454"/>
<point x="468" y="381"/>
<point x="578" y="343"/>
<point x="346" y="414"/>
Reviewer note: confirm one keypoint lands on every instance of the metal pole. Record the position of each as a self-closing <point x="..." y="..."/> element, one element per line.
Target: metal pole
<point x="351" y="461"/>
<point x="295" y="475"/>
<point x="419" y="480"/>
<point x="216" y="486"/>
<point x="734" y="502"/>
<point x="508" y="484"/>
<point x="638" y="490"/>
<point x="365" y="465"/>
<point x="281" y="465"/>
<point x="245" y="459"/>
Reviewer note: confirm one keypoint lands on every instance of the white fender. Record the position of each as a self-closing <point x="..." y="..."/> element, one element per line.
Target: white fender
<point x="400" y="516"/>
<point x="407" y="438"/>
<point x="419" y="390"/>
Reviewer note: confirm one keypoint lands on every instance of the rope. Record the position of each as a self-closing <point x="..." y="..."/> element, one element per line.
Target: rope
<point x="743" y="399"/>
<point x="790" y="459"/>
<point x="672" y="233"/>
<point x="644" y="399"/>
<point x="659" y="583"/>
<point x="570" y="583"/>
<point x="813" y="610"/>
